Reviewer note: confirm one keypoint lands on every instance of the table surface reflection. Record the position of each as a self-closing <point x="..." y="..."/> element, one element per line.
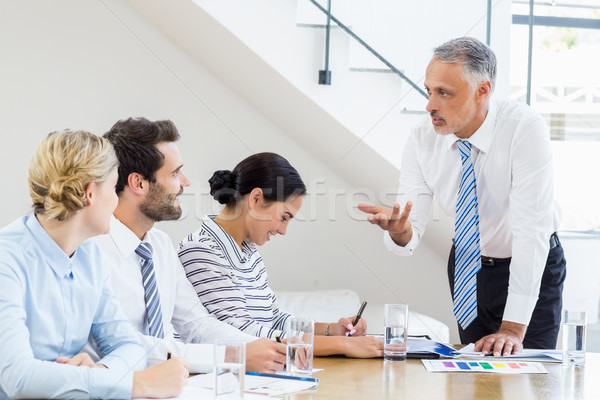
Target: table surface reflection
<point x="355" y="379"/>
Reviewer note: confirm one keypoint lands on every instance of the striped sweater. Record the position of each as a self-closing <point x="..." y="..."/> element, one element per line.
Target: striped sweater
<point x="232" y="283"/>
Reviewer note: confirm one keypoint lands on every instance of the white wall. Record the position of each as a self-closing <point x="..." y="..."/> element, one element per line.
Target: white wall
<point x="84" y="65"/>
<point x="370" y="104"/>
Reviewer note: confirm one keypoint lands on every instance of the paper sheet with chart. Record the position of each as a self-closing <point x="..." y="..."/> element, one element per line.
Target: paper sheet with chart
<point x="485" y="366"/>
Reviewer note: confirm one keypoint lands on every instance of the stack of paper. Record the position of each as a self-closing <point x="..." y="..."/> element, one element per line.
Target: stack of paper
<point x="423" y="348"/>
<point x="260" y="384"/>
<point x="541" y="355"/>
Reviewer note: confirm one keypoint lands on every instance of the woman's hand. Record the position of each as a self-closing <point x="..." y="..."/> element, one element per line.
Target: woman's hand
<point x="364" y="347"/>
<point x="344" y="327"/>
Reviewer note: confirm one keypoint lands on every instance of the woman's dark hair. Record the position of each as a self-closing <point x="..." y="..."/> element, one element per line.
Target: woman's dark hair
<point x="270" y="172"/>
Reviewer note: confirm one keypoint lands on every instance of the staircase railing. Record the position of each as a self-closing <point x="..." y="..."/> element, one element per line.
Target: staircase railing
<point x="327" y="74"/>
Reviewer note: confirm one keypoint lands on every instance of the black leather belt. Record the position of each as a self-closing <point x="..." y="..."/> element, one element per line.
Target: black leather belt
<point x="491" y="261"/>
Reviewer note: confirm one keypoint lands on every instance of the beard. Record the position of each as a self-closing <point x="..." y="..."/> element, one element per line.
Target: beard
<point x="159" y="204"/>
<point x="459" y="121"/>
<point x="441" y="130"/>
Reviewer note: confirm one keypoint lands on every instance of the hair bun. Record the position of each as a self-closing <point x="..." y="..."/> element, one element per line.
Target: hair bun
<point x="66" y="196"/>
<point x="222" y="186"/>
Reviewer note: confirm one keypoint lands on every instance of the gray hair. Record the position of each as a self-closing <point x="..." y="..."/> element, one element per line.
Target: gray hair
<point x="478" y="60"/>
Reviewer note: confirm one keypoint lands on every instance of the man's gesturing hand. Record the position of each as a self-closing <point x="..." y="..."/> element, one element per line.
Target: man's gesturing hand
<point x="391" y="220"/>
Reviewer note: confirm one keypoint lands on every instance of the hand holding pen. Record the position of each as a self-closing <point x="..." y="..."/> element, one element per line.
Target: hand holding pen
<point x="352" y="326"/>
<point x="357" y="320"/>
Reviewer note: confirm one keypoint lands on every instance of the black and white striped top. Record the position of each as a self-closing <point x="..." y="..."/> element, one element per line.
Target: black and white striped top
<point x="231" y="283"/>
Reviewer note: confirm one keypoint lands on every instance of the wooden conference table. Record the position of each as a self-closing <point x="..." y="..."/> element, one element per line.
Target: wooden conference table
<point x="355" y="379"/>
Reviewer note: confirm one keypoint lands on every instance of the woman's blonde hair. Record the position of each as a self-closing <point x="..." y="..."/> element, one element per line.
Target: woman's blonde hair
<point x="63" y="165"/>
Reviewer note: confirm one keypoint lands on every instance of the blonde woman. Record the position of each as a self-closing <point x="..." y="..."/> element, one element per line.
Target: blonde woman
<point x="55" y="292"/>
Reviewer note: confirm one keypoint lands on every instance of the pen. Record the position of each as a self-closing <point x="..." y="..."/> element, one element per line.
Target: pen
<point x="360" y="311"/>
<point x="277" y="338"/>
<point x="169" y="355"/>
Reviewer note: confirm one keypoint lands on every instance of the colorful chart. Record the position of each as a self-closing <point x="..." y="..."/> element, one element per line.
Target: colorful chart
<point x="487" y="366"/>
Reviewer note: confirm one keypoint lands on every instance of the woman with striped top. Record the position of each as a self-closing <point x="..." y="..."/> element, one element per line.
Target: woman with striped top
<point x="221" y="260"/>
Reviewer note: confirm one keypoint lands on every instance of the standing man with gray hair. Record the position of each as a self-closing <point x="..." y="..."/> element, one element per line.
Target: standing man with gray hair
<point x="489" y="163"/>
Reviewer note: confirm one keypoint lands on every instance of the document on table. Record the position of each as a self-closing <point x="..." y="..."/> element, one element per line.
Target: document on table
<point x="261" y="384"/>
<point x="275" y="385"/>
<point x="487" y="366"/>
<point x="194" y="392"/>
<point x="539" y="355"/>
<point x="424" y="348"/>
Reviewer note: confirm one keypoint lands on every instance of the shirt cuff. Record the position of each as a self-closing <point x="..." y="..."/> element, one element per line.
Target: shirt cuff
<point x="113" y="362"/>
<point x="400" y="250"/>
<point x="107" y="384"/>
<point x="128" y="357"/>
<point x="519" y="308"/>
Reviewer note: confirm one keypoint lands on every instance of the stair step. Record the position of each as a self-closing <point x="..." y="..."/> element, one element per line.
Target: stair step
<point x="376" y="70"/>
<point x="318" y="26"/>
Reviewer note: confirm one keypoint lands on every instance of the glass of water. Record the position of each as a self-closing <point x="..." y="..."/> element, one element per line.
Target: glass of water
<point x="300" y="338"/>
<point x="230" y="369"/>
<point x="574" y="322"/>
<point x="396" y="326"/>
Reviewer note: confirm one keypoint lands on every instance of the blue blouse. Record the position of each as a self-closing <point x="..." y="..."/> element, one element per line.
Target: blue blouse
<point x="50" y="304"/>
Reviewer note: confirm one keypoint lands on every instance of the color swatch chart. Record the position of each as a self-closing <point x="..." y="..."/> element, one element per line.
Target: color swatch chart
<point x="493" y="367"/>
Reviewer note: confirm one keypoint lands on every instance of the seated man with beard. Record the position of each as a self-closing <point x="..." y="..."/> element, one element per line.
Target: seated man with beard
<point x="144" y="268"/>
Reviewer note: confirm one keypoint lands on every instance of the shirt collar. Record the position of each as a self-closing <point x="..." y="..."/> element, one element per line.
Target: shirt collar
<point x="55" y="257"/>
<point x="124" y="238"/>
<point x="482" y="138"/>
<point x="231" y="246"/>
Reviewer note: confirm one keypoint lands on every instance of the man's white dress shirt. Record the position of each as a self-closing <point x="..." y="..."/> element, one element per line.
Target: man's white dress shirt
<point x="181" y="309"/>
<point x="512" y="158"/>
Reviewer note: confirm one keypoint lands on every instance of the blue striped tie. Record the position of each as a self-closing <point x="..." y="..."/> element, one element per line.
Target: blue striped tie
<point x="467" y="252"/>
<point x="153" y="324"/>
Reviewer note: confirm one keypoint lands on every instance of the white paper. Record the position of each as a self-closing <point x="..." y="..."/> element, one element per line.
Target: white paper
<point x="258" y="385"/>
<point x="265" y="385"/>
<point x="539" y="355"/>
<point x="484" y="366"/>
<point x="194" y="392"/>
<point x="284" y="372"/>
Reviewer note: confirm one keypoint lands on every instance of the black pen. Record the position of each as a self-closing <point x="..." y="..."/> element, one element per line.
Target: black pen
<point x="277" y="338"/>
<point x="360" y="311"/>
<point x="169" y="355"/>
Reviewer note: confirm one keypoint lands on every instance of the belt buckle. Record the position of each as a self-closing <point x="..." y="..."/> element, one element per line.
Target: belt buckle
<point x="554" y="241"/>
<point x="487" y="260"/>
